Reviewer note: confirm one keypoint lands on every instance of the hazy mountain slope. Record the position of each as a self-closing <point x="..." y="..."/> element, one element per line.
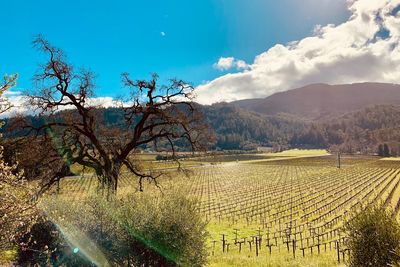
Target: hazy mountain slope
<point x="321" y="100"/>
<point x="236" y="128"/>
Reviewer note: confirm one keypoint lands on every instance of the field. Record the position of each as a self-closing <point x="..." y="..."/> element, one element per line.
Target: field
<point x="283" y="209"/>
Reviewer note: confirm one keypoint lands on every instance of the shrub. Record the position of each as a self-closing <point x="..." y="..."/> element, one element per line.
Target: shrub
<point x="165" y="231"/>
<point x="138" y="230"/>
<point x="44" y="245"/>
<point x="373" y="238"/>
<point x="16" y="205"/>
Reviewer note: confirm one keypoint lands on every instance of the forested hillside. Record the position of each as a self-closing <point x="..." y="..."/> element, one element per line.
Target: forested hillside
<point x="236" y="128"/>
<point x="358" y="127"/>
<point x="361" y="131"/>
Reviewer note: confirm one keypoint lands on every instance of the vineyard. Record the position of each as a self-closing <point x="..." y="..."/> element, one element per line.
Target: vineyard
<point x="289" y="209"/>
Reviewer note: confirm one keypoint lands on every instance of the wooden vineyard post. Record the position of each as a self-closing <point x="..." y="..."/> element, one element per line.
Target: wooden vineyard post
<point x="338" y="160"/>
<point x="302" y="250"/>
<point x="259" y="238"/>
<point x="223" y="242"/>
<point x="294" y="248"/>
<point x="287" y="241"/>
<point x="338" y="251"/>
<point x="214" y="241"/>
<point x="236" y="234"/>
<point x="270" y="248"/>
<point x="256" y="238"/>
<point x="240" y="244"/>
<point x="269" y="245"/>
<point x="344" y="254"/>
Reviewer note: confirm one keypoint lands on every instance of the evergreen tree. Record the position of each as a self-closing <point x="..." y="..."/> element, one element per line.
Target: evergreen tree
<point x="380" y="150"/>
<point x="386" y="151"/>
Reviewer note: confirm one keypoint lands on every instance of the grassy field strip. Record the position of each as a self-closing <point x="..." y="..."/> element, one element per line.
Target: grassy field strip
<point x="278" y="158"/>
<point x="390" y="159"/>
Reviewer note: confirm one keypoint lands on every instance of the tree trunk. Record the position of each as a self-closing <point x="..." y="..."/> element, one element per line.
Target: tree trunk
<point x="111" y="177"/>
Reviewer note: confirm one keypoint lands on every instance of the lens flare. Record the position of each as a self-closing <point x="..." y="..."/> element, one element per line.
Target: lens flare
<point x="79" y="241"/>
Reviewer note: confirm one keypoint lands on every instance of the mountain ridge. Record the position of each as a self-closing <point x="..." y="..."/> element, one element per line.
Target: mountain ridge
<point x="318" y="101"/>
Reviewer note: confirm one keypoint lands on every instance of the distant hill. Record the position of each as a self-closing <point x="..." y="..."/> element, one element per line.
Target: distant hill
<point x="236" y="128"/>
<point x="360" y="131"/>
<point x="319" y="101"/>
<point x="233" y="127"/>
<point x="355" y="118"/>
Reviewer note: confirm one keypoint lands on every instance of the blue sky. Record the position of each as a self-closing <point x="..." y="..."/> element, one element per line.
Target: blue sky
<point x="173" y="38"/>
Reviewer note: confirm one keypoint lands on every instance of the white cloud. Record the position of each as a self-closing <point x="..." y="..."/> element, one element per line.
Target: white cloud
<point x="12" y="93"/>
<point x="240" y="64"/>
<point x="363" y="49"/>
<point x="226" y="63"/>
<point x="20" y="105"/>
<point x="105" y="102"/>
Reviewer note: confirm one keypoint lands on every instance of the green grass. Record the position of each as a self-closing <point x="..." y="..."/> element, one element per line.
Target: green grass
<point x="280" y="259"/>
<point x="247" y="258"/>
<point x="290" y="155"/>
<point x="7" y="256"/>
<point x="299" y="153"/>
<point x="391" y="159"/>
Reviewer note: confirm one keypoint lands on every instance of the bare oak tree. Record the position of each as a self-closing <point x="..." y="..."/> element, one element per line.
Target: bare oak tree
<point x="152" y="114"/>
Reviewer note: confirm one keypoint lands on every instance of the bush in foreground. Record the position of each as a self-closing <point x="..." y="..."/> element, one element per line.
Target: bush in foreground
<point x="164" y="232"/>
<point x="17" y="208"/>
<point x="373" y="238"/>
<point x="44" y="245"/>
<point x="137" y="230"/>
